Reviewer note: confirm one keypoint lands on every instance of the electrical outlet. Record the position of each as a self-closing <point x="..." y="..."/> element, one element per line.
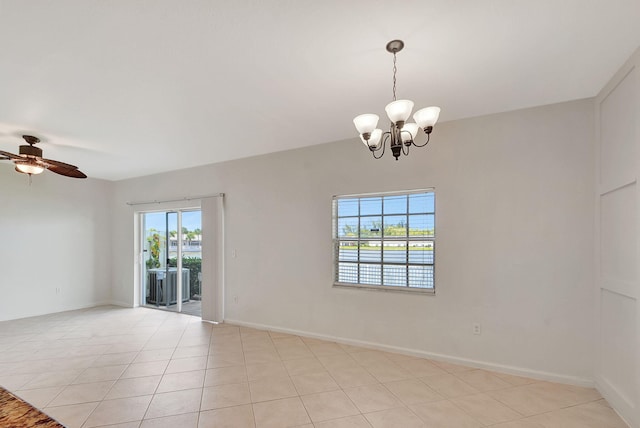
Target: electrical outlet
<point x="235" y="299"/>
<point x="477" y="329"/>
<point x="234" y="253"/>
<point x="57" y="290"/>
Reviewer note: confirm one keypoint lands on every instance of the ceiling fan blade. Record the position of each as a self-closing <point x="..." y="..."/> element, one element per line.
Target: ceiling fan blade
<point x="62" y="170"/>
<point x="10" y="155"/>
<point x="58" y="163"/>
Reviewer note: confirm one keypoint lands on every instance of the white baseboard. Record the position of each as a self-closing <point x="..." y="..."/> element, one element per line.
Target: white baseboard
<point x="61" y="309"/>
<point x="118" y="303"/>
<point x="517" y="371"/>
<point x="619" y="402"/>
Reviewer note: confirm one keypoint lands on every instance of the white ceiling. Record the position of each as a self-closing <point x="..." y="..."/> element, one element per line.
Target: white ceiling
<point x="125" y="88"/>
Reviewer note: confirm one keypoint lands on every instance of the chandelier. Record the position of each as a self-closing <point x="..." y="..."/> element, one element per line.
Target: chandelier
<point x="401" y="135"/>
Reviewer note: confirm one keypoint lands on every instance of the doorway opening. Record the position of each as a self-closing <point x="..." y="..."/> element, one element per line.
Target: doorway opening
<point x="172" y="261"/>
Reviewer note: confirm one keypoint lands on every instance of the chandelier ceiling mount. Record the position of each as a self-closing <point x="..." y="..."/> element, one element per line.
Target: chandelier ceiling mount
<point x="395" y="46"/>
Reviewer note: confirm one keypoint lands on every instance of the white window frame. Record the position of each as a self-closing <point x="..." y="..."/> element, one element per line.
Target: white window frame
<point x="382" y="240"/>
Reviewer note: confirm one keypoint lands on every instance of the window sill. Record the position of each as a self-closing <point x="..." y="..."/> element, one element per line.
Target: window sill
<point x="406" y="290"/>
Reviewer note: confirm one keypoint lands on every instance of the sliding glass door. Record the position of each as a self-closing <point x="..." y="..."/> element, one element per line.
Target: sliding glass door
<point x="172" y="260"/>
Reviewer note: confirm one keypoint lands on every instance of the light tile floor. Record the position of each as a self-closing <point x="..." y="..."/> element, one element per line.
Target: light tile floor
<point x="142" y="368"/>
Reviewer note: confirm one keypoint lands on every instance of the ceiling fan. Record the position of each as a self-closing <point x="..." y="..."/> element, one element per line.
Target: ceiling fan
<point x="30" y="161"/>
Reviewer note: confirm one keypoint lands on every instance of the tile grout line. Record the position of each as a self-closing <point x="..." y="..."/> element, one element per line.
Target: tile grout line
<point x="299" y="397"/>
<point x="133" y="362"/>
<point x="205" y="375"/>
<point x="116" y="381"/>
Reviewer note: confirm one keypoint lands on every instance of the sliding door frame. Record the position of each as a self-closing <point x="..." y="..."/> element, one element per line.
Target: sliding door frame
<point x="141" y="243"/>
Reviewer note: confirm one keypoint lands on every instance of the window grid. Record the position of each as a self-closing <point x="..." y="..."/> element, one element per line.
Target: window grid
<point x="383" y="268"/>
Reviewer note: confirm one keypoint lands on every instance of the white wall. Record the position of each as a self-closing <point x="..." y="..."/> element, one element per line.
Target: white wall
<point x="617" y="290"/>
<point x="54" y="236"/>
<point x="514" y="251"/>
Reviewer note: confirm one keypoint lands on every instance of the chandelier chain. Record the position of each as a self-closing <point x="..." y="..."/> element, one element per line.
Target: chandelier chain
<point x="395" y="69"/>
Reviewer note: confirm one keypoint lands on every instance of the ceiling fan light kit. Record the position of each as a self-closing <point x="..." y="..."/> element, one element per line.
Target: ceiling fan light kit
<point x="28" y="167"/>
<point x="30" y="161"/>
<point x="401" y="134"/>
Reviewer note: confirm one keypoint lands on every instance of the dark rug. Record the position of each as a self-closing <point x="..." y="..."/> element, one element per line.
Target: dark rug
<point x="16" y="413"/>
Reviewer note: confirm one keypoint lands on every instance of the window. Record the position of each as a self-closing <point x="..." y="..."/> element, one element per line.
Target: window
<point x="385" y="240"/>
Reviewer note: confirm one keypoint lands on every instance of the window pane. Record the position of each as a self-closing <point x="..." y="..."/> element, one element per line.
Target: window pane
<point x="395" y="204"/>
<point x="421" y="203"/>
<point x="348" y="227"/>
<point x="395" y="276"/>
<point x="395" y="252"/>
<point x="395" y="225"/>
<point x="348" y="251"/>
<point x="371" y="206"/>
<point x="370" y="251"/>
<point x="348" y="272"/>
<point x="347" y="207"/>
<point x="370" y="227"/>
<point x="421" y="225"/>
<point x="421" y="276"/>
<point x="421" y="252"/>
<point x="370" y="274"/>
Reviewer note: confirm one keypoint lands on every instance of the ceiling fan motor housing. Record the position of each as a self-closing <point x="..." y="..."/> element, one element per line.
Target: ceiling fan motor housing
<point x="31" y="151"/>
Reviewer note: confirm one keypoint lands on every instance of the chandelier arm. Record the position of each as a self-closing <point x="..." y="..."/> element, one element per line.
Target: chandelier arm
<point x="402" y="144"/>
<point x="422" y="145"/>
<point x="383" y="143"/>
<point x="403" y="152"/>
<point x="378" y="157"/>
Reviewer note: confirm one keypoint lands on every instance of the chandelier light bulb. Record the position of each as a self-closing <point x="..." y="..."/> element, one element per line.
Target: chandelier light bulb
<point x="399" y="111"/>
<point x="427" y="116"/>
<point x="366" y="123"/>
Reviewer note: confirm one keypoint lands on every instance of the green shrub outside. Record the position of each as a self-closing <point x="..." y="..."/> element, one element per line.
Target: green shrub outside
<point x="194" y="264"/>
